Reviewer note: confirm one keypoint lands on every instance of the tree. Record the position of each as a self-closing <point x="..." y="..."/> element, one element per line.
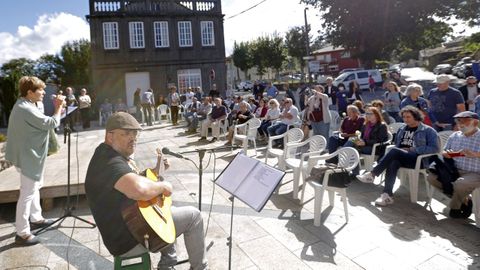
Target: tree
<point x="49" y="68"/>
<point x="75" y="58"/>
<point x="268" y="52"/>
<point x="376" y="29"/>
<point x="11" y="72"/>
<point x="295" y="44"/>
<point x="242" y="57"/>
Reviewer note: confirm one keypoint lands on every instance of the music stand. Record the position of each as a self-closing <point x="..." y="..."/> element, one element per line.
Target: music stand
<point x="68" y="208"/>
<point x="252" y="182"/>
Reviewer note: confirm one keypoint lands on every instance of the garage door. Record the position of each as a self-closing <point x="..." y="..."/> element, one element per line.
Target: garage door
<point x="134" y="80"/>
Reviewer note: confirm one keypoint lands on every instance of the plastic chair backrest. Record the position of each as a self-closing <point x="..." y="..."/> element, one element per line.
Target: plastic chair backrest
<point x="444" y="135"/>
<point x="394" y="127"/>
<point x="253" y="125"/>
<point x="294" y="135"/>
<point x="317" y="143"/>
<point x="348" y="158"/>
<point x="163" y="108"/>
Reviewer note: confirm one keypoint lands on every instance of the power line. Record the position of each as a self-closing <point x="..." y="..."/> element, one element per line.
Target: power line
<point x="252" y="7"/>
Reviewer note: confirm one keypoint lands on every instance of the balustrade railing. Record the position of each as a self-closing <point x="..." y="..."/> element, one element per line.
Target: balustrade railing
<point x="152" y="6"/>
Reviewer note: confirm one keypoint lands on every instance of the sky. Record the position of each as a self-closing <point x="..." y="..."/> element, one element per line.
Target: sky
<point x="31" y="28"/>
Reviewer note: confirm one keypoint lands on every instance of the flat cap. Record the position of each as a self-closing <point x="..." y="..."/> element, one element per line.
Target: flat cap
<point x="122" y="120"/>
<point x="466" y="114"/>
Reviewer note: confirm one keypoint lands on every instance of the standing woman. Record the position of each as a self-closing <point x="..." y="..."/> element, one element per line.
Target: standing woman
<point x="318" y="113"/>
<point x="84" y="103"/>
<point x="413" y="97"/>
<point x="173" y="100"/>
<point x="138" y="104"/>
<point x="354" y="92"/>
<point x="27" y="147"/>
<point x="392" y="100"/>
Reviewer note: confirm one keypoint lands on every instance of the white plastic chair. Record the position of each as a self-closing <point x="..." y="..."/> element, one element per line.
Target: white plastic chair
<point x="163" y="111"/>
<point x="317" y="144"/>
<point x="394" y="127"/>
<point x="444" y="135"/>
<point x="368" y="160"/>
<point x="335" y="121"/>
<point x="476" y="205"/>
<point x="392" y="120"/>
<point x="414" y="175"/>
<point x="249" y="130"/>
<point x="224" y="127"/>
<point x="348" y="159"/>
<point x="293" y="135"/>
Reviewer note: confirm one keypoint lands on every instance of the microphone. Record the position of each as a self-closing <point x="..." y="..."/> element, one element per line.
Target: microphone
<point x="167" y="151"/>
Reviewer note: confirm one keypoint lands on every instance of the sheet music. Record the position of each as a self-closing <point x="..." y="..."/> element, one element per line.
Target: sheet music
<point x="256" y="189"/>
<point x="250" y="180"/>
<point x="236" y="171"/>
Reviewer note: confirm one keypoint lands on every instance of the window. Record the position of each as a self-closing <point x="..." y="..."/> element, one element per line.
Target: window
<point x="137" y="37"/>
<point x="189" y="78"/>
<point x="333" y="67"/>
<point x="208" y="38"/>
<point x="185" y="33"/>
<point x="350" y="77"/>
<point x="345" y="54"/>
<point x="362" y="75"/>
<point x="160" y="30"/>
<point x="328" y="58"/>
<point x="110" y="35"/>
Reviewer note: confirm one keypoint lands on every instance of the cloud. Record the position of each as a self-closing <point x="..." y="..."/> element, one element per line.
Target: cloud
<point x="48" y="35"/>
<point x="266" y="18"/>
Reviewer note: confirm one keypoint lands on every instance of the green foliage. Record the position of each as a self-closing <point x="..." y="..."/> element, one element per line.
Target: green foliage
<point x="242" y="56"/>
<point x="12" y="71"/>
<point x="295" y="43"/>
<point x="471" y="45"/>
<point x="49" y="68"/>
<point x="268" y="52"/>
<point x="377" y="29"/>
<point x="3" y="138"/>
<point x="76" y="57"/>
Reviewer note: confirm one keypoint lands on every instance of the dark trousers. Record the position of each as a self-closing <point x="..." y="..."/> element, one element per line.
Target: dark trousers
<point x="85" y="114"/>
<point x="392" y="162"/>
<point x="262" y="130"/>
<point x="147" y="113"/>
<point x="174" y="114"/>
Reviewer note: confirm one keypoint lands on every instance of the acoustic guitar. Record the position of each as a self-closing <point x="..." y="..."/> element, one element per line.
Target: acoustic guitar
<point x="151" y="222"/>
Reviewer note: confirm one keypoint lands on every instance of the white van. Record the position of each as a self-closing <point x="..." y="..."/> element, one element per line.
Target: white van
<point x="361" y="76"/>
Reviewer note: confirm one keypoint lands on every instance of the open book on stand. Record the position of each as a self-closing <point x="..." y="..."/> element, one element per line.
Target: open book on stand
<point x="250" y="180"/>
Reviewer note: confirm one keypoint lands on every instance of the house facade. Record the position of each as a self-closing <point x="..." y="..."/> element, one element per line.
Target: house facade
<point x="331" y="60"/>
<point x="155" y="43"/>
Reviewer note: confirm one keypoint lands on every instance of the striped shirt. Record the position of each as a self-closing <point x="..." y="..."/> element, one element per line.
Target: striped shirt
<point x="456" y="142"/>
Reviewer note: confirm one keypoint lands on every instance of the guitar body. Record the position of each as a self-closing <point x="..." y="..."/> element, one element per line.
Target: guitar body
<point x="151" y="222"/>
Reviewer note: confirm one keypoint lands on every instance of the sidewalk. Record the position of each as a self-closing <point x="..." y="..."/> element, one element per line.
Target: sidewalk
<point x="282" y="236"/>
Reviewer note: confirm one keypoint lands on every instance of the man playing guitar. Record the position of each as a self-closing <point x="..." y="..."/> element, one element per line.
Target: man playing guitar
<point x="113" y="181"/>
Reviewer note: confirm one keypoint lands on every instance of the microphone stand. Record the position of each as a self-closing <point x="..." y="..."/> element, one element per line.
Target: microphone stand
<point x="68" y="208"/>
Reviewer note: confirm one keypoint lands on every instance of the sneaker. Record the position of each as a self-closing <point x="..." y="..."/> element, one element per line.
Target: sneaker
<point x="456" y="213"/>
<point x="467" y="208"/>
<point x="41" y="224"/>
<point x="203" y="139"/>
<point x="28" y="240"/>
<point x="366" y="178"/>
<point x="384" y="199"/>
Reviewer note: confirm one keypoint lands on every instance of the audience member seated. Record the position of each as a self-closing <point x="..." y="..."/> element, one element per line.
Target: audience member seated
<point x="214" y="120"/>
<point x="261" y="110"/>
<point x="272" y="114"/>
<point x="243" y="115"/>
<point x="445" y="102"/>
<point x="360" y="106"/>
<point x="373" y="131"/>
<point x="287" y="118"/>
<point x="190" y="113"/>
<point x="414" y="93"/>
<point x="106" y="109"/>
<point x="377" y="103"/>
<point x="120" y="106"/>
<point x="350" y="125"/>
<point x="202" y="112"/>
<point x="464" y="147"/>
<point x="412" y="140"/>
<point x="252" y="104"/>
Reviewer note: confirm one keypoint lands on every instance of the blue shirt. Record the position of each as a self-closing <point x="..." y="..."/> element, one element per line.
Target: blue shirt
<point x="444" y="104"/>
<point x="342" y="101"/>
<point x="456" y="142"/>
<point x="272" y="91"/>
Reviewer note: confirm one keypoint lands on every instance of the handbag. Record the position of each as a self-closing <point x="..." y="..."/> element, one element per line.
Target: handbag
<point x="341" y="179"/>
<point x="446" y="173"/>
<point x="316" y="115"/>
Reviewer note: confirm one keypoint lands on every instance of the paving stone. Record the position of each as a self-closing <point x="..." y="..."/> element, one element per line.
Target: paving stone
<point x="439" y="262"/>
<point x="324" y="256"/>
<point x="381" y="259"/>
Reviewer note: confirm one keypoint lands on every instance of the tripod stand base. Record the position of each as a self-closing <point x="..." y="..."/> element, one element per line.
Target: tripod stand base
<point x="68" y="213"/>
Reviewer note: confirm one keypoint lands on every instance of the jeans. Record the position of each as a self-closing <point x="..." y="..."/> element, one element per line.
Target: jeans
<point x="391" y="162"/>
<point x="188" y="221"/>
<point x="321" y="128"/>
<point x="28" y="205"/>
<point x="277" y="129"/>
<point x="262" y="130"/>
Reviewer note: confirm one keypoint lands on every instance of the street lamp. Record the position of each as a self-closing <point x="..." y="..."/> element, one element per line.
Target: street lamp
<point x="307" y="43"/>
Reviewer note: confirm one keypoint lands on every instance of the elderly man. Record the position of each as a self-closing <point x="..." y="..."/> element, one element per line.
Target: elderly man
<point x="331" y="90"/>
<point x="464" y="147"/>
<point x="412" y="140"/>
<point x="470" y="91"/>
<point x="445" y="102"/>
<point x="214" y="120"/>
<point x="287" y="117"/>
<point x="113" y="181"/>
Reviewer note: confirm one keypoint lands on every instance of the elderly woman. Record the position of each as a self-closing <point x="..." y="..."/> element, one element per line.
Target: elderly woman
<point x="84" y="104"/>
<point x="243" y="115"/>
<point x="317" y="112"/>
<point x="392" y="100"/>
<point x="352" y="123"/>
<point x="273" y="113"/>
<point x="413" y="95"/>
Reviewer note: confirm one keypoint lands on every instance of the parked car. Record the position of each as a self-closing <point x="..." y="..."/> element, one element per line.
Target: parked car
<point x="245" y="85"/>
<point x="361" y="76"/>
<point x="443" y="69"/>
<point x="348" y="70"/>
<point x="395" y="68"/>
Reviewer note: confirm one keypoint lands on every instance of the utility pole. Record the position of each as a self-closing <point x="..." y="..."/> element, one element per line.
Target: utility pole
<point x="307" y="44"/>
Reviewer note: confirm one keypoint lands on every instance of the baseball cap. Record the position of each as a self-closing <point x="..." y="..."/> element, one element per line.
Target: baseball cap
<point x="122" y="120"/>
<point x="442" y="78"/>
<point x="466" y="114"/>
